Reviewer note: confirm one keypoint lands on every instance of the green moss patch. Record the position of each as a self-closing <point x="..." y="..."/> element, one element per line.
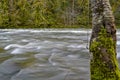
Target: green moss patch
<point x="104" y="65"/>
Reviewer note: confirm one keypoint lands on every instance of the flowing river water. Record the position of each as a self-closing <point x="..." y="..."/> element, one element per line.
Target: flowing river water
<point x="48" y="54"/>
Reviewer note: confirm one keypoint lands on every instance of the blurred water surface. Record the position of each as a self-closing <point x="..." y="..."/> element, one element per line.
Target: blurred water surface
<point x="46" y="54"/>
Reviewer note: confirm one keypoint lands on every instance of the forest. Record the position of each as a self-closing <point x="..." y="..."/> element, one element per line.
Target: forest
<point x="49" y="13"/>
<point x="59" y="39"/>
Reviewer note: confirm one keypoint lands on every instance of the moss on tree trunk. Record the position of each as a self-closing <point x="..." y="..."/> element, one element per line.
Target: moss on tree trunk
<point x="104" y="65"/>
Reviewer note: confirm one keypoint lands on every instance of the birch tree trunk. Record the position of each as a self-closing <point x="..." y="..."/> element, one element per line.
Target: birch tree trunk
<point x="104" y="65"/>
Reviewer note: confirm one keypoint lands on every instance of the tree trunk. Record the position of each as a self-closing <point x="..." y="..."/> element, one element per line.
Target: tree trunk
<point x="104" y="65"/>
<point x="10" y="10"/>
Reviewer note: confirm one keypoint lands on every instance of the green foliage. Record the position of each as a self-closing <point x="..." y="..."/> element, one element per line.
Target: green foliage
<point x="47" y="13"/>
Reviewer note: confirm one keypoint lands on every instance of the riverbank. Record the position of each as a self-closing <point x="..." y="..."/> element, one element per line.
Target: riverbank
<point x="50" y="27"/>
<point x="44" y="26"/>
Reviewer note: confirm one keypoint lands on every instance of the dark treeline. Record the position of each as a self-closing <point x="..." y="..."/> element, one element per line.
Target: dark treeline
<point x="48" y="13"/>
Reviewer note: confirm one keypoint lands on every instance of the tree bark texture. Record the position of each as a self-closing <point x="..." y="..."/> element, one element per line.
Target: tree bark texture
<point x="104" y="65"/>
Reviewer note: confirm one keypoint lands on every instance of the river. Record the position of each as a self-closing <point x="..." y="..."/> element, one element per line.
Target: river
<point x="46" y="54"/>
